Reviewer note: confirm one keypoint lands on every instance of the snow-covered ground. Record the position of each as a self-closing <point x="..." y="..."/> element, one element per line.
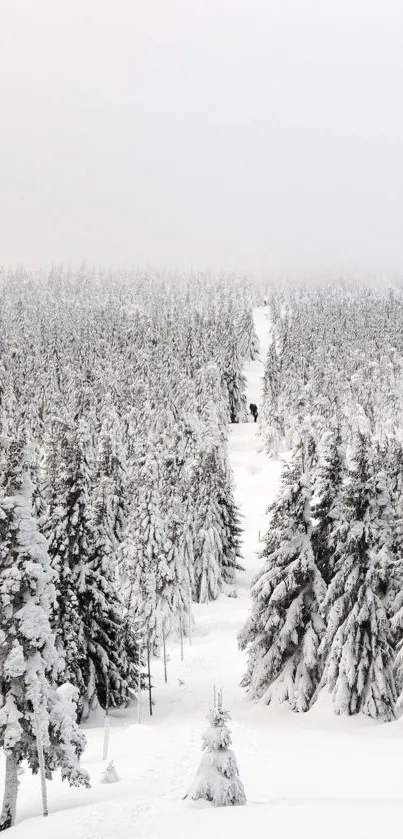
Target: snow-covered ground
<point x="312" y="775"/>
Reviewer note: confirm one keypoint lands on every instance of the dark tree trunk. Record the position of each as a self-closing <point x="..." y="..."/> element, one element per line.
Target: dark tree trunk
<point x="8" y="813"/>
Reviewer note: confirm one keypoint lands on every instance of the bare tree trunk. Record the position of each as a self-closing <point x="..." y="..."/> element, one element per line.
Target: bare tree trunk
<point x="181" y="632"/>
<point x="139" y="689"/>
<point x="149" y="679"/>
<point x="41" y="761"/>
<point x="165" y="658"/>
<point x="8" y="813"/>
<point x="107" y="721"/>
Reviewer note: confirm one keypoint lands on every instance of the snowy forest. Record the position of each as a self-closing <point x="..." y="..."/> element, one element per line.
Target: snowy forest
<point x="118" y="511"/>
<point x="327" y="605"/>
<point x="117" y="504"/>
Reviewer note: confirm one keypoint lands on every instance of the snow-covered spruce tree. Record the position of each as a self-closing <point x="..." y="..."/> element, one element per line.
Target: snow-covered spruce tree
<point x="142" y="549"/>
<point x="112" y="653"/>
<point x="216" y="522"/>
<point x="231" y="525"/>
<point x="327" y="479"/>
<point x="273" y="427"/>
<point x="217" y="778"/>
<point x="158" y="551"/>
<point x="248" y="342"/>
<point x="88" y="619"/>
<point x="70" y="534"/>
<point x="207" y="570"/>
<point x="235" y="382"/>
<point x="213" y="514"/>
<point x="29" y="663"/>
<point x="111" y="472"/>
<point x="173" y="439"/>
<point x="394" y="599"/>
<point x="284" y="630"/>
<point x="211" y="398"/>
<point x="357" y="644"/>
<point x="392" y="460"/>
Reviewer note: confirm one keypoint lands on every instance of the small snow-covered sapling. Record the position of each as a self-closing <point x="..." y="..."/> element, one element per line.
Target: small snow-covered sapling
<point x="110" y="775"/>
<point x="217" y="778"/>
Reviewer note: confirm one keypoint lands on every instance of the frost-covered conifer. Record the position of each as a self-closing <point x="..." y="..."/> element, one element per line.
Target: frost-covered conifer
<point x="217" y="778"/>
<point x="248" y="342"/>
<point x="142" y="550"/>
<point x="235" y="382"/>
<point x="30" y="706"/>
<point x="357" y="644"/>
<point x="284" y="630"/>
<point x="111" y="472"/>
<point x="392" y="458"/>
<point x="207" y="570"/>
<point x="158" y="551"/>
<point x="328" y="477"/>
<point x="231" y="525"/>
<point x="272" y="414"/>
<point x="70" y="533"/>
<point x="113" y="661"/>
<point x="88" y="620"/>
<point x="212" y="398"/>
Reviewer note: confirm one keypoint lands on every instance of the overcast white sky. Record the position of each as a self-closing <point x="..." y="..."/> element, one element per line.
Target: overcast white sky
<point x="249" y="135"/>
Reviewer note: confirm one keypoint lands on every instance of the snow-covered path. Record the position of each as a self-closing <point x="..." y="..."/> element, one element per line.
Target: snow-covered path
<point x="310" y="775"/>
<point x="256" y="477"/>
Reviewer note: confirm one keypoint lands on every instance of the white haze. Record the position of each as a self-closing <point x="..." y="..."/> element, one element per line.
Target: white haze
<point x="244" y="135"/>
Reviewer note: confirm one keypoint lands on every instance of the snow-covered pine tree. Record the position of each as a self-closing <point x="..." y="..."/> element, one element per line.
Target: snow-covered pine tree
<point x="272" y="414"/>
<point x="158" y="552"/>
<point x="272" y="374"/>
<point x="248" y="342"/>
<point x="211" y="398"/>
<point x="71" y="538"/>
<point x="112" y="653"/>
<point x="213" y="514"/>
<point x="216" y="522"/>
<point x="111" y="471"/>
<point x="328" y="477"/>
<point x="30" y="707"/>
<point x="207" y="570"/>
<point x="231" y="525"/>
<point x="142" y="549"/>
<point x="88" y="620"/>
<point x="174" y="441"/>
<point x="393" y="460"/>
<point x="217" y="778"/>
<point x="357" y="643"/>
<point x="284" y="630"/>
<point x="235" y="382"/>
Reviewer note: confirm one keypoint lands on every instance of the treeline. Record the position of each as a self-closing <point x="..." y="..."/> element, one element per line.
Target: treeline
<point x="335" y="353"/>
<point x="327" y="605"/>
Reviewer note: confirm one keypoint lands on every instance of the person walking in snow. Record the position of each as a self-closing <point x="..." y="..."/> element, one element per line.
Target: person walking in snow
<point x="253" y="410"/>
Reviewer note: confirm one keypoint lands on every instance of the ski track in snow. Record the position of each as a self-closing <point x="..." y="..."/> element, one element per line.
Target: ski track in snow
<point x="312" y="775"/>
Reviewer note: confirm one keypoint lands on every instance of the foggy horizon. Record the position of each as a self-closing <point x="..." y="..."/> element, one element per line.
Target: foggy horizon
<point x="228" y="136"/>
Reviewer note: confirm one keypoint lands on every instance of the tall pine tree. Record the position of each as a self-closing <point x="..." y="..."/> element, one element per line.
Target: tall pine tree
<point x="357" y="644"/>
<point x="30" y="708"/>
<point x="284" y="630"/>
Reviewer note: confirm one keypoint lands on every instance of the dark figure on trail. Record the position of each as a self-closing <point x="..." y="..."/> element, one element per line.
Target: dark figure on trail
<point x="253" y="410"/>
